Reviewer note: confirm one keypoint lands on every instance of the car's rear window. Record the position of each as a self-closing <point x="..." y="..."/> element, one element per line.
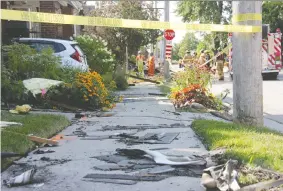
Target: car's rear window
<point x="39" y="46"/>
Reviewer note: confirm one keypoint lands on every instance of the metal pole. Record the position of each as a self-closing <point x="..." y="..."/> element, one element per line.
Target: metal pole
<point x="166" y="63"/>
<point x="247" y="67"/>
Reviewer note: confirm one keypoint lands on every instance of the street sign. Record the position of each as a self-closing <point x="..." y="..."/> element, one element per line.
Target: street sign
<point x="169" y="34"/>
<point x="230" y="34"/>
<point x="278" y="30"/>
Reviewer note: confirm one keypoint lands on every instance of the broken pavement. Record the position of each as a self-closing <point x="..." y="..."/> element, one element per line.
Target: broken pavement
<point x="140" y="114"/>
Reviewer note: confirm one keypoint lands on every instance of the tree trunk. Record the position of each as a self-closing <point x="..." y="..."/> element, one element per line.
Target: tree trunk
<point x="247" y="67"/>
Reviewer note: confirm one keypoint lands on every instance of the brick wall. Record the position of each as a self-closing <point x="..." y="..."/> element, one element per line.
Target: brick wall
<point x="51" y="30"/>
<point x="68" y="30"/>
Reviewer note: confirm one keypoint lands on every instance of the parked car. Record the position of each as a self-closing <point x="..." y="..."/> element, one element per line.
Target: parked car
<point x="69" y="51"/>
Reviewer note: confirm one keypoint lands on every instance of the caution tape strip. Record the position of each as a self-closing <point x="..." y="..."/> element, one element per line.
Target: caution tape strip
<point x="40" y="17"/>
<point x="247" y="17"/>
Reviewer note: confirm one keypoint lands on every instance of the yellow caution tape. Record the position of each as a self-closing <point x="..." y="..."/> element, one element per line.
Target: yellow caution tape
<point x="123" y="23"/>
<point x="247" y="17"/>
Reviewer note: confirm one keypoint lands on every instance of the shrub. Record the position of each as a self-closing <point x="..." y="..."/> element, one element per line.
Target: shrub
<point x="121" y="82"/>
<point x="196" y="93"/>
<point x="87" y="91"/>
<point x="21" y="62"/>
<point x="191" y="76"/>
<point x="98" y="57"/>
<point x="24" y="63"/>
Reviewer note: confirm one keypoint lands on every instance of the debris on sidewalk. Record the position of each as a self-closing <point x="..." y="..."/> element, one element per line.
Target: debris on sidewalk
<point x="23" y="109"/>
<point x="10" y="155"/>
<point x="158" y="94"/>
<point x="115" y="136"/>
<point x="222" y="115"/>
<point x="36" y="85"/>
<point x="267" y="185"/>
<point x="42" y="140"/>
<point x="152" y="138"/>
<point x="41" y="151"/>
<point x="174" y="112"/>
<point x="105" y="114"/>
<point x="8" y="123"/>
<point x="126" y="177"/>
<point x="22" y="179"/>
<point x="113" y="181"/>
<point x="224" y="177"/>
<point x="144" y="79"/>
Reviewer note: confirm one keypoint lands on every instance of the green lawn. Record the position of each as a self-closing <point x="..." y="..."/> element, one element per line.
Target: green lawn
<point x="251" y="145"/>
<point x="42" y="125"/>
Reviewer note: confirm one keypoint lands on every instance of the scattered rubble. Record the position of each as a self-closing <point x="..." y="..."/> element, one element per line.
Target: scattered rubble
<point x="42" y="140"/>
<point x="41" y="151"/>
<point x="222" y="115"/>
<point x="224" y="177"/>
<point x="23" y="109"/>
<point x="22" y="179"/>
<point x="126" y="177"/>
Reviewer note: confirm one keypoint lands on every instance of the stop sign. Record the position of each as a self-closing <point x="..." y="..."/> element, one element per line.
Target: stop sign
<point x="169" y="34"/>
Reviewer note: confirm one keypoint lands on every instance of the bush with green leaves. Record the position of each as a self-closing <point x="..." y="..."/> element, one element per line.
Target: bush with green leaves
<point x="99" y="58"/>
<point x="21" y="62"/>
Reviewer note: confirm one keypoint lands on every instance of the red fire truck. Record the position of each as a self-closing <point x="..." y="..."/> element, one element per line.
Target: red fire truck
<point x="271" y="53"/>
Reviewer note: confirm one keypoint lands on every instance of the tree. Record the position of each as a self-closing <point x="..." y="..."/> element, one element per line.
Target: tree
<point x="119" y="38"/>
<point x="189" y="42"/>
<point x="175" y="51"/>
<point x="272" y="13"/>
<point x="214" y="12"/>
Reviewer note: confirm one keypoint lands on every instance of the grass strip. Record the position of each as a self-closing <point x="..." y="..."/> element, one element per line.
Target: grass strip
<point x="42" y="125"/>
<point x="250" y="145"/>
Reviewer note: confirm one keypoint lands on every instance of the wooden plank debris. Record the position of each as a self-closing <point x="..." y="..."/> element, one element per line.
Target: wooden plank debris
<point x="42" y="140"/>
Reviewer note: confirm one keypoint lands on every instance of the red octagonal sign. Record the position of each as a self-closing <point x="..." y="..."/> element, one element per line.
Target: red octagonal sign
<point x="169" y="34"/>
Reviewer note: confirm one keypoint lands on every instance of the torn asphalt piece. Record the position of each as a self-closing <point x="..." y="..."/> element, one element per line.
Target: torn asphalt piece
<point x="116" y="136"/>
<point x="10" y="155"/>
<point x="158" y="170"/>
<point x="41" y="151"/>
<point x="126" y="177"/>
<point x="22" y="179"/>
<point x="224" y="177"/>
<point x="160" y="158"/>
<point x="113" y="181"/>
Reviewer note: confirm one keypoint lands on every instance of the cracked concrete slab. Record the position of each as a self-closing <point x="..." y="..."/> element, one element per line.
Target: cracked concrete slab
<point x="69" y="175"/>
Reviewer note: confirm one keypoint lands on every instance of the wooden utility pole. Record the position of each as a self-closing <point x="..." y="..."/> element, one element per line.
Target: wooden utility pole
<point x="247" y="67"/>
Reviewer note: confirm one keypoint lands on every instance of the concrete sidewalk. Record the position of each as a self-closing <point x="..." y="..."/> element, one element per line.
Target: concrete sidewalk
<point x="137" y="109"/>
<point x="272" y="100"/>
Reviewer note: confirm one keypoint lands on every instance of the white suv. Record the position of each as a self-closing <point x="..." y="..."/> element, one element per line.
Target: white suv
<point x="69" y="51"/>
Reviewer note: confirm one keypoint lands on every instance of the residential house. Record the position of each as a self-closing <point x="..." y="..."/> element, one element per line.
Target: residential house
<point x="13" y="29"/>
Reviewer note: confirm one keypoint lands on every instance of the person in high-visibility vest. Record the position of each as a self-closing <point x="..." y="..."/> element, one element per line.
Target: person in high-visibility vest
<point x="187" y="58"/>
<point x="151" y="65"/>
<point x="201" y="57"/>
<point x="220" y="64"/>
<point x="139" y="63"/>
